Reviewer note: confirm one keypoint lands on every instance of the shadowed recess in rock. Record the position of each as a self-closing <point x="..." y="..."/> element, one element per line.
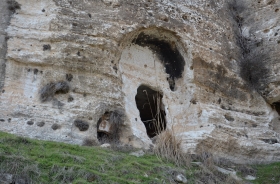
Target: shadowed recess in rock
<point x="149" y="104"/>
<point x="168" y="54"/>
<point x="109" y="126"/>
<point x="276" y="106"/>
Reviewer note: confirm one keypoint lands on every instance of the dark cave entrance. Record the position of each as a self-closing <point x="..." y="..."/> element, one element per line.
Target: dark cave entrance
<point x="149" y="104"/>
<point x="168" y="54"/>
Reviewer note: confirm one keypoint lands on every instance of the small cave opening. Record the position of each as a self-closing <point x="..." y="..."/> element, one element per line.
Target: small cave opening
<point x="168" y="54"/>
<point x="109" y="126"/>
<point x="150" y="106"/>
<point x="103" y="129"/>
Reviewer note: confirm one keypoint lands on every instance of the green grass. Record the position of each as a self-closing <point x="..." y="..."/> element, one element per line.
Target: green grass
<point x="268" y="174"/>
<point x="52" y="162"/>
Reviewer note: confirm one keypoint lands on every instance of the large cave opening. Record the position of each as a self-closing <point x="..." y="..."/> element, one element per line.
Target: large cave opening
<point x="150" y="106"/>
<point x="168" y="54"/>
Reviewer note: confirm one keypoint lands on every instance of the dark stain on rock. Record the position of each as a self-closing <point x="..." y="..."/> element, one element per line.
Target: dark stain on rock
<point x="35" y="71"/>
<point x="69" y="77"/>
<point x="115" y="68"/>
<point x="254" y="70"/>
<point x="167" y="52"/>
<point x="13" y="5"/>
<point x="70" y="99"/>
<point x="229" y="118"/>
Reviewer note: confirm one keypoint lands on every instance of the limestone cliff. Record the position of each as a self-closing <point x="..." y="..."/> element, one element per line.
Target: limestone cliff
<point x="68" y="66"/>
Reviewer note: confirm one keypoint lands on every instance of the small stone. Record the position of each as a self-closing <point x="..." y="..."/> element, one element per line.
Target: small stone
<point x="139" y="153"/>
<point x="106" y="145"/>
<point x="181" y="179"/>
<point x="249" y="177"/>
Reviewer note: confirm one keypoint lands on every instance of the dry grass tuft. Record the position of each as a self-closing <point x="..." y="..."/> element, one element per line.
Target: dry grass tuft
<point x="69" y="174"/>
<point x="208" y="171"/>
<point x="168" y="147"/>
<point x="246" y="170"/>
<point x="90" y="142"/>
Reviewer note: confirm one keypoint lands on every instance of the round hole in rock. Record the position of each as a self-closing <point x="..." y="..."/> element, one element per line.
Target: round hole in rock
<point x="150" y="106"/>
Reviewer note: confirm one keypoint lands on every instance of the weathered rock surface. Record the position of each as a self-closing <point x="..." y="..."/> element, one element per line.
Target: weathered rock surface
<point x="192" y="53"/>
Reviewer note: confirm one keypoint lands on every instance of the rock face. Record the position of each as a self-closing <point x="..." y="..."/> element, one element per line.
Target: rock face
<point x="206" y="69"/>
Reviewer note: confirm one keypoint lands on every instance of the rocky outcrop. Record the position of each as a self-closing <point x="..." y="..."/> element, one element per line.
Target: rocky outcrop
<point x="80" y="60"/>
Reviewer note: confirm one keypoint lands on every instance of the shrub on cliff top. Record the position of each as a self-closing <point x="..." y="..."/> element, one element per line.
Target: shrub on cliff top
<point x="254" y="71"/>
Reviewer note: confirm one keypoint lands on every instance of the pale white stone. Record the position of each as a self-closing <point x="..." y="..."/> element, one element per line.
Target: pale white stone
<point x="251" y="178"/>
<point x="106" y="145"/>
<point x="181" y="178"/>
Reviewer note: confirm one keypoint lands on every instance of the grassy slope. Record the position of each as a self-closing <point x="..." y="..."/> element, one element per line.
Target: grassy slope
<point x="52" y="162"/>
